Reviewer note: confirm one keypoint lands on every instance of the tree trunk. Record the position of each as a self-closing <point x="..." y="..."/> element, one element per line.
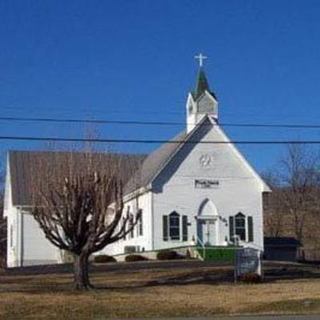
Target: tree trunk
<point x="81" y="272"/>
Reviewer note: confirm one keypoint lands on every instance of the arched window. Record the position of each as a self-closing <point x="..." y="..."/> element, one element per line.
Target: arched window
<point x="240" y="226"/>
<point x="174" y="226"/>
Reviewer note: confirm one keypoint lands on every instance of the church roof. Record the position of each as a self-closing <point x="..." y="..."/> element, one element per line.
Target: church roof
<point x="154" y="162"/>
<point x="202" y="85"/>
<point x="26" y="165"/>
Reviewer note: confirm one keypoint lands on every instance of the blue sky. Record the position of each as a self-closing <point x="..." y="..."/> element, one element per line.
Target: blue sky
<point x="133" y="60"/>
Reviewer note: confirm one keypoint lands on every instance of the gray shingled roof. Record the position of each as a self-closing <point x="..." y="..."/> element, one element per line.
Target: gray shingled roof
<point x="25" y="164"/>
<point x="154" y="163"/>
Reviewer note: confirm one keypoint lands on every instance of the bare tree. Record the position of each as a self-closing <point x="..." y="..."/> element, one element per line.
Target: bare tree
<point x="300" y="178"/>
<point x="295" y="185"/>
<point x="80" y="208"/>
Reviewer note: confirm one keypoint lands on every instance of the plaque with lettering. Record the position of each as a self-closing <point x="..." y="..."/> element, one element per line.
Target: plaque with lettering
<point x="206" y="184"/>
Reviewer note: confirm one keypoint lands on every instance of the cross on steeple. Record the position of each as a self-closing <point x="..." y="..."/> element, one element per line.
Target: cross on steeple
<point x="200" y="57"/>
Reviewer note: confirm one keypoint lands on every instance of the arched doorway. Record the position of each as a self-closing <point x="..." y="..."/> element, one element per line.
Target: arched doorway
<point x="207" y="224"/>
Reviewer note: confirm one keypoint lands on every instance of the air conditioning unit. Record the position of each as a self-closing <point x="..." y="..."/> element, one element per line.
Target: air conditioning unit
<point x="131" y="249"/>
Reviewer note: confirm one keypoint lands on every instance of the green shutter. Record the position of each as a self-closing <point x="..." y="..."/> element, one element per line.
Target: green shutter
<point x="184" y="228"/>
<point x="165" y="227"/>
<point x="250" y="229"/>
<point x="140" y="223"/>
<point x="231" y="228"/>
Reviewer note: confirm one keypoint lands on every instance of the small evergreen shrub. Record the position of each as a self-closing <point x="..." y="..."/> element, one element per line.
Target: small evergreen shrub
<point x="103" y="258"/>
<point x="251" y="278"/>
<point x="168" y="255"/>
<point x="135" y="257"/>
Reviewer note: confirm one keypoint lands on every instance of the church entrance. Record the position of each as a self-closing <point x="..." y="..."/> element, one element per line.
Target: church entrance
<point x="207" y="224"/>
<point x="206" y="229"/>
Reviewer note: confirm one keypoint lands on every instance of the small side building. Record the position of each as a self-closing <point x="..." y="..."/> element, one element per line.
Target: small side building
<point x="281" y="248"/>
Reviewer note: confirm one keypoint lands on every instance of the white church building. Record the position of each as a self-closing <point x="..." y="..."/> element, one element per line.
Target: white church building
<point x="191" y="191"/>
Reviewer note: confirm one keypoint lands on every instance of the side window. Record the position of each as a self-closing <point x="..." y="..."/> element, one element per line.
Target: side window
<point x="240" y="226"/>
<point x="174" y="226"/>
<point x="171" y="226"/>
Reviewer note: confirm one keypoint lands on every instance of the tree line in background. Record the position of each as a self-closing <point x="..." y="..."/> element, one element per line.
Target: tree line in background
<point x="293" y="207"/>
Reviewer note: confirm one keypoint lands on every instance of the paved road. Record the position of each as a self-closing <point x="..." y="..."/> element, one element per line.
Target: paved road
<point x="312" y="317"/>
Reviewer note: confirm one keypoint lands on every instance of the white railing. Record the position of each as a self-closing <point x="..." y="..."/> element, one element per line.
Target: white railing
<point x="198" y="241"/>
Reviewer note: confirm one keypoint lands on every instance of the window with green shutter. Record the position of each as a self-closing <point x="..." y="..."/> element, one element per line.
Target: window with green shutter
<point x="250" y="229"/>
<point x="231" y="228"/>
<point x="184" y="228"/>
<point x="240" y="226"/>
<point x="174" y="226"/>
<point x="165" y="228"/>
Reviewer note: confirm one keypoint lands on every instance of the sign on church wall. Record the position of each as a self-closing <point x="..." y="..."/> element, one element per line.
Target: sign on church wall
<point x="206" y="184"/>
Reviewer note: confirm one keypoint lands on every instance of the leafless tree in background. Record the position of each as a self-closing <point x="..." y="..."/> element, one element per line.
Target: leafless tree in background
<point x="79" y="205"/>
<point x="274" y="212"/>
<point x="300" y="178"/>
<point x="294" y="204"/>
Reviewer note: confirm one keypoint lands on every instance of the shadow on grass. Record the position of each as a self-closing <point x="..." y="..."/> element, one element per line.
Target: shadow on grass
<point x="59" y="283"/>
<point x="43" y="285"/>
<point x="118" y="266"/>
<point x="192" y="278"/>
<point x="274" y="274"/>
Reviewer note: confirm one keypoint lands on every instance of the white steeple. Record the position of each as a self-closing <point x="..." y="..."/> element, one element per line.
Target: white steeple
<point x="201" y="101"/>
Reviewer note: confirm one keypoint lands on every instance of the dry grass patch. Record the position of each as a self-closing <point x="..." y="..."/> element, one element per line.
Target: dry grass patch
<point x="149" y="293"/>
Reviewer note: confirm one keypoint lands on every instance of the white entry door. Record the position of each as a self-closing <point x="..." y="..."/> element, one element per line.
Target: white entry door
<point x="207" y="234"/>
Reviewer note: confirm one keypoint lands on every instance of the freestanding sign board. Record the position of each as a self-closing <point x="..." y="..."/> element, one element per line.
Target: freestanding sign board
<point x="248" y="260"/>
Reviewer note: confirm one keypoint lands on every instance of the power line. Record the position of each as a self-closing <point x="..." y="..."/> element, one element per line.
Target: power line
<point x="157" y="141"/>
<point x="154" y="123"/>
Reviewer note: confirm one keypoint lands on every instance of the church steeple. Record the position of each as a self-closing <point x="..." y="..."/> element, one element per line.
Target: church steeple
<point x="202" y="101"/>
<point x="202" y="85"/>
